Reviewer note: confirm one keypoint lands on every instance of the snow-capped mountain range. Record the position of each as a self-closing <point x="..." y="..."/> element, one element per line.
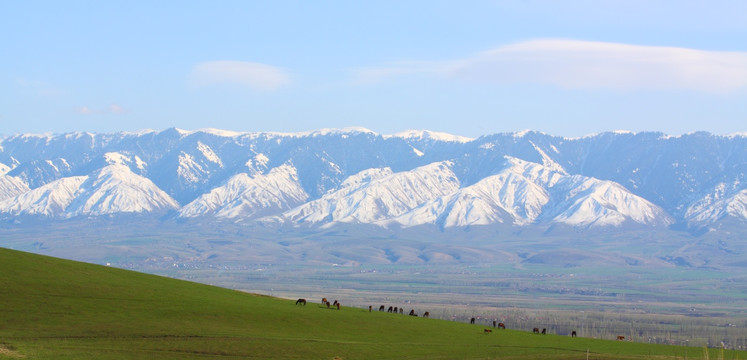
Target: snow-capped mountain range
<point x="322" y="178"/>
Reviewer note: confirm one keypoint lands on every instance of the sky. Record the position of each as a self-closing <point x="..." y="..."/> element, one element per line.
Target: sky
<point x="470" y="68"/>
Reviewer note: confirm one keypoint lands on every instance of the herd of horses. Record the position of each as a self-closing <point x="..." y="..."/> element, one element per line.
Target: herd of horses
<point x="400" y="310"/>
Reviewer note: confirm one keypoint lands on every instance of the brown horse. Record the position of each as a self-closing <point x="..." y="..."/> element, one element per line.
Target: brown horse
<point x="335" y="303"/>
<point x="535" y="331"/>
<point x="390" y="309"/>
<point x="401" y="311"/>
<point x="427" y="314"/>
<point x="487" y="331"/>
<point x="370" y="308"/>
<point x="381" y="308"/>
<point x="338" y="306"/>
<point x="327" y="303"/>
<point x="324" y="301"/>
<point x="573" y="333"/>
<point x="396" y="310"/>
<point x="301" y="301"/>
<point x="412" y="313"/>
<point x="502" y="326"/>
<point x="620" y="337"/>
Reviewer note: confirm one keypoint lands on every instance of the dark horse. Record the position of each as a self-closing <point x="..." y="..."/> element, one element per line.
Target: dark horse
<point x="544" y="331"/>
<point x="301" y="301"/>
<point x="412" y="313"/>
<point x="381" y="308"/>
<point x="390" y="309"/>
<point x="573" y="333"/>
<point x="472" y="320"/>
<point x="536" y="331"/>
<point x="427" y="314"/>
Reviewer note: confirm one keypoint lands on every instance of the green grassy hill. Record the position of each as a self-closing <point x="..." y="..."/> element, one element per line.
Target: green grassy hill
<point x="58" y="309"/>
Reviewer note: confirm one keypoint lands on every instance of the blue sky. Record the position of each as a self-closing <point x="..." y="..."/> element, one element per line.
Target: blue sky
<point x="470" y="68"/>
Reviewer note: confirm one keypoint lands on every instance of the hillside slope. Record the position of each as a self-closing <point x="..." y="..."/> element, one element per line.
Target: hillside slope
<point x="59" y="309"/>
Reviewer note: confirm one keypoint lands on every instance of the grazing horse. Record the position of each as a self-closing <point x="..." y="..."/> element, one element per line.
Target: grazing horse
<point x="327" y="303"/>
<point x="402" y="311"/>
<point x="396" y="310"/>
<point x="502" y="326"/>
<point x="381" y="308"/>
<point x="487" y="331"/>
<point x="389" y="310"/>
<point x="472" y="320"/>
<point x="370" y="308"/>
<point x="412" y="313"/>
<point x="620" y="337"/>
<point x="427" y="314"/>
<point x="324" y="301"/>
<point x="338" y="306"/>
<point x="301" y="301"/>
<point x="544" y="331"/>
<point x="573" y="333"/>
<point x="335" y="303"/>
<point x="535" y="331"/>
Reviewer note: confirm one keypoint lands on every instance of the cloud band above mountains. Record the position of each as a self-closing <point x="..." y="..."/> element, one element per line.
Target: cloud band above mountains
<point x="253" y="75"/>
<point x="579" y="64"/>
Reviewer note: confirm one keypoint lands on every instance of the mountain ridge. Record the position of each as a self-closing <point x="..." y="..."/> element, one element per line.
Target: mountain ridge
<point x="648" y="178"/>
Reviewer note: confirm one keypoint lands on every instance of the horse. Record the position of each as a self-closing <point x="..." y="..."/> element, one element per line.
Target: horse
<point x="573" y="333"/>
<point x="472" y="320"/>
<point x="412" y="313"/>
<point x="370" y="308"/>
<point x="401" y="311"/>
<point x="544" y="331"/>
<point x="389" y="310"/>
<point x="493" y="323"/>
<point x="535" y="331"/>
<point x="620" y="337"/>
<point x="487" y="331"/>
<point x="396" y="310"/>
<point x="301" y="301"/>
<point x="427" y="314"/>
<point x="381" y="308"/>
<point x="338" y="306"/>
<point x="327" y="303"/>
<point x="335" y="303"/>
<point x="324" y="301"/>
<point x="502" y="326"/>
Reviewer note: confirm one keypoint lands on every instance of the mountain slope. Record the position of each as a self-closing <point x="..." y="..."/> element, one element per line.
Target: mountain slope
<point x="247" y="197"/>
<point x="524" y="193"/>
<point x="378" y="195"/>
<point x="111" y="190"/>
<point x="11" y="186"/>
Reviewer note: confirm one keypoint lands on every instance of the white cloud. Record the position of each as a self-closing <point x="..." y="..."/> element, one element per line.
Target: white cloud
<point x="112" y="109"/>
<point x="116" y="109"/>
<point x="586" y="65"/>
<point x="253" y="75"/>
<point x="85" y="110"/>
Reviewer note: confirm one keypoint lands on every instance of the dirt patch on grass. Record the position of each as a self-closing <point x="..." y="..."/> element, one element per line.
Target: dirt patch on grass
<point x="6" y="352"/>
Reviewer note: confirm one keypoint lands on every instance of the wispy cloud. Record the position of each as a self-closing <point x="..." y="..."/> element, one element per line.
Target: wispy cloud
<point x="256" y="76"/>
<point x="585" y="65"/>
<point x="111" y="109"/>
<point x="40" y="88"/>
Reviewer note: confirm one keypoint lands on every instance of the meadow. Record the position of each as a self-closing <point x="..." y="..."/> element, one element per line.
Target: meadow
<point x="60" y="309"/>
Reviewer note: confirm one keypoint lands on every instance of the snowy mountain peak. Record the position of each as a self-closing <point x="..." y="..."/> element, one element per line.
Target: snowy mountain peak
<point x="248" y="197"/>
<point x="383" y="197"/>
<point x="116" y="189"/>
<point x="429" y="135"/>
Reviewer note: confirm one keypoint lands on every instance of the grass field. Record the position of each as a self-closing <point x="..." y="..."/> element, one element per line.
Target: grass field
<point x="59" y="309"/>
